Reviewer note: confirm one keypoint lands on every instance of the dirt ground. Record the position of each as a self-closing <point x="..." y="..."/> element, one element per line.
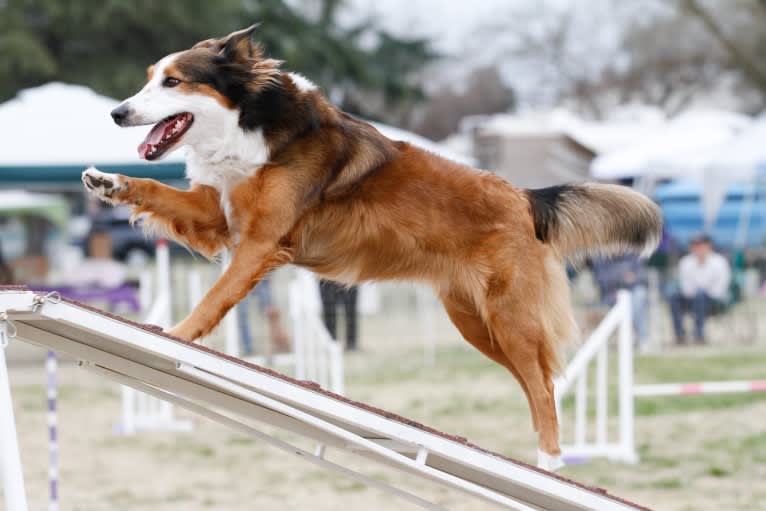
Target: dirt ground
<point x="703" y="455"/>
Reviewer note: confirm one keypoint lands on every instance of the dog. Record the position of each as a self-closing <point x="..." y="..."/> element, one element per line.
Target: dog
<point x="279" y="175"/>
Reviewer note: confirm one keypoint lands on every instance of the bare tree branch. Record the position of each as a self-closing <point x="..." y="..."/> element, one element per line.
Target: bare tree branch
<point x="745" y="61"/>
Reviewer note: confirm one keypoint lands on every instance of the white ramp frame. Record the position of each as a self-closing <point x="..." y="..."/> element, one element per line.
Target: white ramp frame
<point x="10" y="465"/>
<point x="619" y="319"/>
<point x="237" y="395"/>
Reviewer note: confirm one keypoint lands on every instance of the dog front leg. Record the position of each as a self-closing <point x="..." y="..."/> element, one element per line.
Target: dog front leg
<point x="192" y="217"/>
<point x="250" y="263"/>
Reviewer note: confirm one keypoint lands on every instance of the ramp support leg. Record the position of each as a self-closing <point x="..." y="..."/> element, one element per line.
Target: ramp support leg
<point x="10" y="464"/>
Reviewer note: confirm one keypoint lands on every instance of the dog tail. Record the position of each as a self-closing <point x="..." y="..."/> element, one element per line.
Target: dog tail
<point x="595" y="219"/>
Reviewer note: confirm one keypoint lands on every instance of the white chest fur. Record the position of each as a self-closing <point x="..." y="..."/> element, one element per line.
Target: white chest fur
<point x="225" y="169"/>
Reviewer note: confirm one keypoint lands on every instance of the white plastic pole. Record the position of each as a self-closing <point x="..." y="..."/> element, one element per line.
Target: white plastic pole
<point x="427" y="320"/>
<point x="12" y="474"/>
<point x="163" y="283"/>
<point x="296" y="313"/>
<point x="602" y="391"/>
<point x="230" y="333"/>
<point x="194" y="288"/>
<point x="625" y="360"/>
<point x="581" y="408"/>
<point x="336" y="384"/>
<point x="145" y="291"/>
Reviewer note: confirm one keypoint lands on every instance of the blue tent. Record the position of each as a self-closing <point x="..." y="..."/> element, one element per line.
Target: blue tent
<point x="743" y="211"/>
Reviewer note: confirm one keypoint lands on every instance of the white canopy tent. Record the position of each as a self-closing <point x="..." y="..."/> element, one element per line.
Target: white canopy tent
<point x="680" y="148"/>
<point x="50" y="133"/>
<point x="62" y="124"/>
<point x="742" y="160"/>
<point x="422" y="142"/>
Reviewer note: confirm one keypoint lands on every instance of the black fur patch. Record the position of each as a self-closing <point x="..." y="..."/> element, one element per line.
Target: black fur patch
<point x="545" y="204"/>
<point x="270" y="107"/>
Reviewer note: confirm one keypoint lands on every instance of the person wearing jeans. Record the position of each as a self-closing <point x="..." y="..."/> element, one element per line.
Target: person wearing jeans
<point x="703" y="280"/>
<point x="279" y="338"/>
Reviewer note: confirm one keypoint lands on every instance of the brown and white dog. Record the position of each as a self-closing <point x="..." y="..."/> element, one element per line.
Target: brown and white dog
<point x="279" y="175"/>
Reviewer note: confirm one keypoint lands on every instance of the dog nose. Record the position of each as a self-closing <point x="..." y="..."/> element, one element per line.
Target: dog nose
<point x="120" y="113"/>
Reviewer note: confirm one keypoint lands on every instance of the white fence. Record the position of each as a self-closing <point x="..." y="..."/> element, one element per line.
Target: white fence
<point x="318" y="357"/>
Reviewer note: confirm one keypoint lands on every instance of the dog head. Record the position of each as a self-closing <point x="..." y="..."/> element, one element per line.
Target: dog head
<point x="198" y="96"/>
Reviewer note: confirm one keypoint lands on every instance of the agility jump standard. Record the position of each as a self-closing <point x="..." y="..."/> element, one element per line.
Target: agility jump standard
<point x="244" y="396"/>
<point x="575" y="377"/>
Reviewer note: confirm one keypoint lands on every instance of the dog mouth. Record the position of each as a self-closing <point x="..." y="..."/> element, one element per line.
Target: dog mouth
<point x="164" y="135"/>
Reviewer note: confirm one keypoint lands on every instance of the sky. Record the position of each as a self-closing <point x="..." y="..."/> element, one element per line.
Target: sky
<point x="449" y="23"/>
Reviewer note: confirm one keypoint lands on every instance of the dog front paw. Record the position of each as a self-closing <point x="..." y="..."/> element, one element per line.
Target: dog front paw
<point x="106" y="187"/>
<point x="181" y="332"/>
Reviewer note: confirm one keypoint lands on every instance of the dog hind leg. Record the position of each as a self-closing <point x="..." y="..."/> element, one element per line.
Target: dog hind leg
<point x="523" y="340"/>
<point x="474" y="330"/>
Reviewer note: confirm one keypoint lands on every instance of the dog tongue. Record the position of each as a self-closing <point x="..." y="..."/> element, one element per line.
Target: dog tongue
<point x="154" y="138"/>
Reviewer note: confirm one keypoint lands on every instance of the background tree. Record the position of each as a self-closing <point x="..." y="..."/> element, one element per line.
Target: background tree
<point x="666" y="53"/>
<point x="108" y="45"/>
<point x="485" y="93"/>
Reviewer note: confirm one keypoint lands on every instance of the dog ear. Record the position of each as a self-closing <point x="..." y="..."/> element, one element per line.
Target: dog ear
<point x="238" y="46"/>
<point x="207" y="43"/>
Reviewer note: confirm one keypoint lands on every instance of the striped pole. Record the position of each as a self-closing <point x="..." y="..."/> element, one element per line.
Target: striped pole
<point x="708" y="387"/>
<point x="53" y="447"/>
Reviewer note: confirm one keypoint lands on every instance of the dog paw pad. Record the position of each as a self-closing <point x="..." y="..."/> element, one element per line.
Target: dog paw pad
<point x="101" y="184"/>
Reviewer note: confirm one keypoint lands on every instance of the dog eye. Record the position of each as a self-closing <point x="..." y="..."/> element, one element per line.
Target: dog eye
<point x="170" y="82"/>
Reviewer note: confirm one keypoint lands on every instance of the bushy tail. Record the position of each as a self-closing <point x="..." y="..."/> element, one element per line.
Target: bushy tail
<point x="595" y="219"/>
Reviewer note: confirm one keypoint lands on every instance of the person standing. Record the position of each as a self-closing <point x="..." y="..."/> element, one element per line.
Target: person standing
<point x="279" y="338"/>
<point x="627" y="272"/>
<point x="6" y="272"/>
<point x="337" y="294"/>
<point x="704" y="277"/>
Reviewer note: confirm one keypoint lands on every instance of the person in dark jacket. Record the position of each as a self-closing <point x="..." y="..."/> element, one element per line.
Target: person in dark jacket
<point x="625" y="272"/>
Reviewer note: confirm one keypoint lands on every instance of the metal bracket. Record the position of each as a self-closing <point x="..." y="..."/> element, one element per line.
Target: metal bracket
<point x="39" y="300"/>
<point x="7" y="329"/>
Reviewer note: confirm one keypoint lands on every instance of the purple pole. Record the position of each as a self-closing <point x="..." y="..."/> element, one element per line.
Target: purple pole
<point x="53" y="447"/>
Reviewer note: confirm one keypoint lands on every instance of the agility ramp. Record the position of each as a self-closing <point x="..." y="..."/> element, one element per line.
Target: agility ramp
<point x="244" y="396"/>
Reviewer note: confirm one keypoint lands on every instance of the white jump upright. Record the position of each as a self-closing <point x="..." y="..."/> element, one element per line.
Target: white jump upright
<point x="10" y="465"/>
<point x="142" y="412"/>
<point x="623" y="448"/>
<point x="318" y="357"/>
<point x="618" y="319"/>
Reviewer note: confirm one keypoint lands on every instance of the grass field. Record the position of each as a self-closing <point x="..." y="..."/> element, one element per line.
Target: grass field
<point x="698" y="453"/>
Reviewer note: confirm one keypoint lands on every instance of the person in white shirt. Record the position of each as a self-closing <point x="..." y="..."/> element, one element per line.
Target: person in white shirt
<point x="703" y="280"/>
